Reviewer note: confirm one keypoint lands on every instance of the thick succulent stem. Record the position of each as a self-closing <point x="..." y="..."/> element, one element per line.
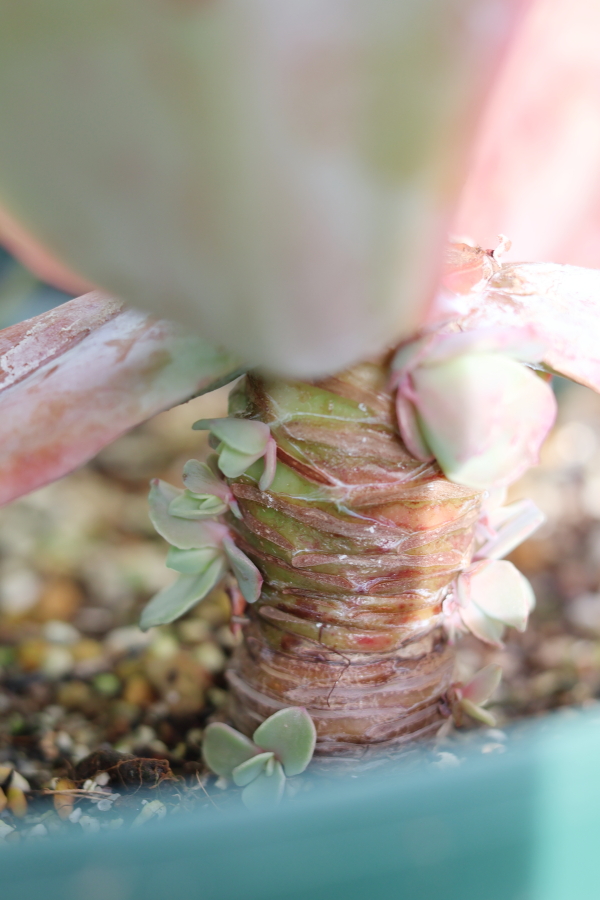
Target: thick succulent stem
<point x="357" y="543"/>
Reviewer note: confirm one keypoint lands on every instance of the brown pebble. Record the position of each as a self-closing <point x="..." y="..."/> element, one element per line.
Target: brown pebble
<point x="60" y="599"/>
<point x="86" y="649"/>
<point x="64" y="803"/>
<point x="138" y="691"/>
<point x="76" y="695"/>
<point x="180" y="680"/>
<point x="31" y="654"/>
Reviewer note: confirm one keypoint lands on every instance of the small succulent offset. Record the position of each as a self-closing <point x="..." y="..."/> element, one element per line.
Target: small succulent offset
<point x="470" y="697"/>
<point x="201" y="551"/>
<point x="282" y="746"/>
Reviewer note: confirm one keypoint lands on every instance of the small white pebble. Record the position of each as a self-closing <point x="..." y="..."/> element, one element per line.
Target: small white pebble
<point x="102" y="778"/>
<point x="76" y="815"/>
<point x="221" y="783"/>
<point x="5" y="829"/>
<point x="57" y="661"/>
<point x="89" y="784"/>
<point x="493" y="748"/>
<point x="496" y="735"/>
<point x="18" y="781"/>
<point x="60" y="632"/>
<point x="446" y="760"/>
<point x="38" y="831"/>
<point x="89" y="825"/>
<point x="105" y="804"/>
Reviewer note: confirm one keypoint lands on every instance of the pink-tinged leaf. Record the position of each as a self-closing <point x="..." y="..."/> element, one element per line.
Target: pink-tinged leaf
<point x="73" y="379"/>
<point x="481" y="687"/>
<point x="534" y="173"/>
<point x="498" y="590"/>
<point x="560" y="304"/>
<point x="511" y="525"/>
<point x="486" y="629"/>
<point x="519" y="342"/>
<point x="248" y="576"/>
<point x="484" y="416"/>
<point x="277" y="176"/>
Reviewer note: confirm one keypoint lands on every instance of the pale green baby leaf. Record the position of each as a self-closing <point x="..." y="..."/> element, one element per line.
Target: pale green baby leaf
<point x="248" y="576"/>
<point x="232" y="463"/>
<point x="477" y="712"/>
<point x="484" y="416"/>
<point x="191" y="562"/>
<point x="199" y="506"/>
<point x="175" y="600"/>
<point x="199" y="478"/>
<point x="244" y="435"/>
<point x="266" y="790"/>
<point x="182" y="533"/>
<point x="251" y="769"/>
<point x="291" y="735"/>
<point x="224" y="749"/>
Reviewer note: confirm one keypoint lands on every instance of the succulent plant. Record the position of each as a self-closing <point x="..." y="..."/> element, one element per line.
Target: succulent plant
<point x="298" y="223"/>
<point x="281" y="747"/>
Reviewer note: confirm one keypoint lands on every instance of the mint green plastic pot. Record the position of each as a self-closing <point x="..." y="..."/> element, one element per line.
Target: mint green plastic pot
<point x="518" y="825"/>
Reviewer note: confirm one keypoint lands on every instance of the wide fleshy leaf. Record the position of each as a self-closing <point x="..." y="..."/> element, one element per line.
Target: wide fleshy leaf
<point x="191" y="562"/>
<point x="277" y="175"/>
<point x="496" y="588"/>
<point x="266" y="790"/>
<point x="291" y="735"/>
<point x="251" y="769"/>
<point x="175" y="600"/>
<point x="484" y="416"/>
<point x="73" y="379"/>
<point x="534" y="172"/>
<point x="481" y="687"/>
<point x="185" y="534"/>
<point x="248" y="576"/>
<point x="490" y="631"/>
<point x="224" y="748"/>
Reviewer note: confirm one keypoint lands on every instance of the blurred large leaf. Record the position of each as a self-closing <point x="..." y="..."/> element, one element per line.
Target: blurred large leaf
<point x="77" y="377"/>
<point x="535" y="173"/>
<point x="277" y="175"/>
